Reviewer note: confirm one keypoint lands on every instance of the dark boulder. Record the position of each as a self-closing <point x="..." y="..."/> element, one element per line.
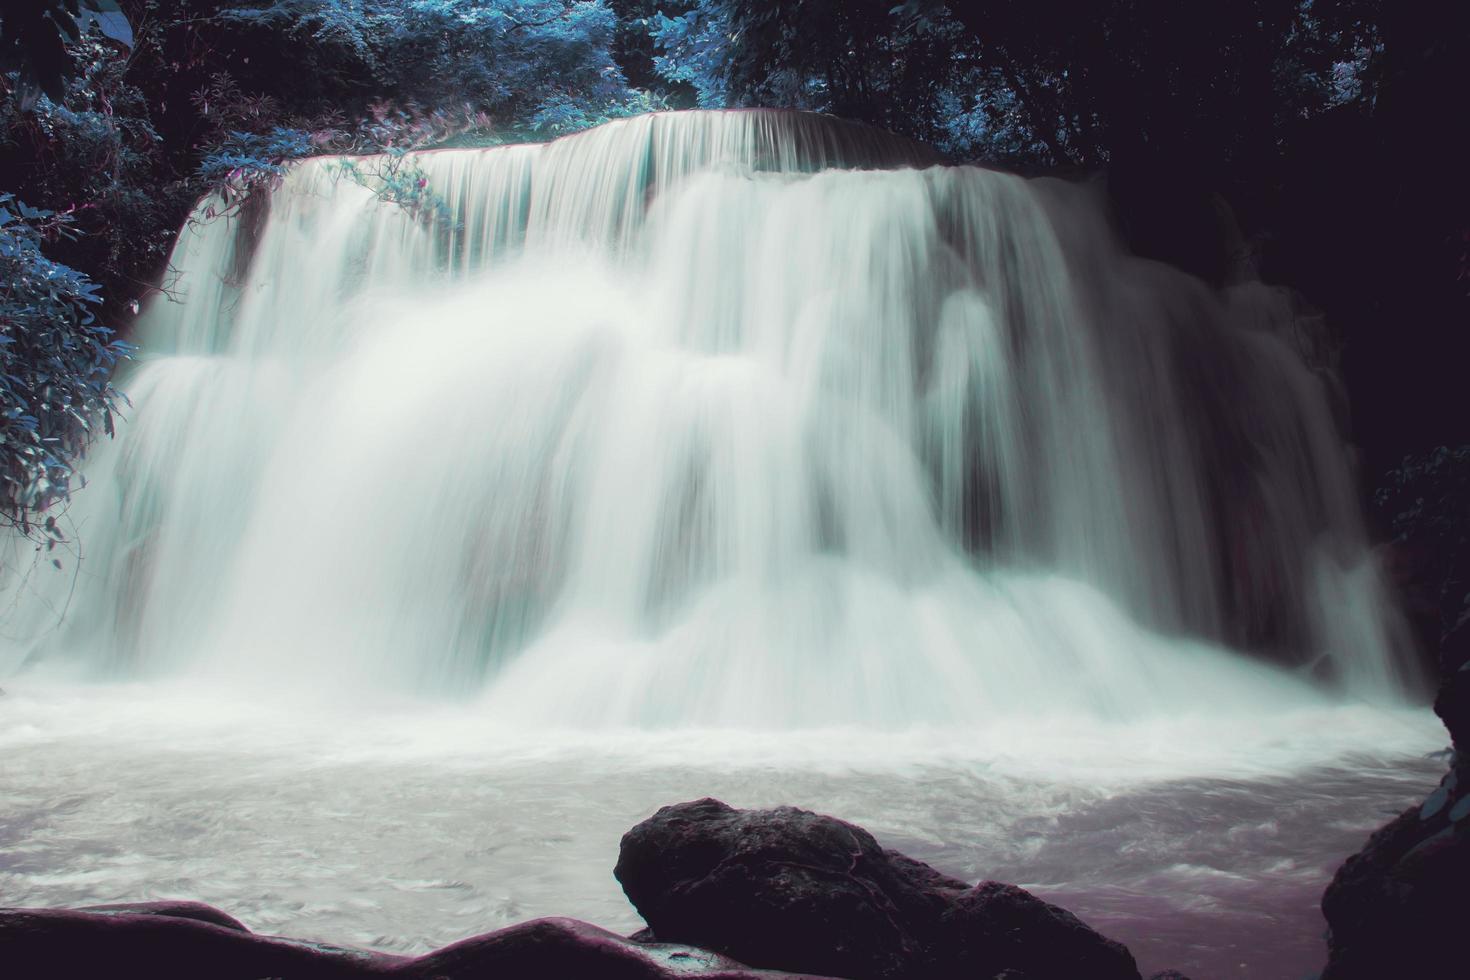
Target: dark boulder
<point x="1396" y="907"/>
<point x="187" y="941"/>
<point x="793" y="890"/>
<point x="995" y="927"/>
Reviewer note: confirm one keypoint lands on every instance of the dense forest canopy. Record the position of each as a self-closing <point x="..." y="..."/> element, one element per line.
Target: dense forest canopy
<point x="1320" y="139"/>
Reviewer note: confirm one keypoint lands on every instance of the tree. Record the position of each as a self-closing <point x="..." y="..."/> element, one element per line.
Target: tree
<point x="854" y="59"/>
<point x="533" y="67"/>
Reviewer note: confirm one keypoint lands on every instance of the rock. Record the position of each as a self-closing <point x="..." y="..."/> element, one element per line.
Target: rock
<point x="794" y="890"/>
<point x="179" y="910"/>
<point x="1168" y="975"/>
<point x="995" y="927"/>
<point x="186" y="941"/>
<point x="568" y="948"/>
<point x="78" y="943"/>
<point x="1396" y="907"/>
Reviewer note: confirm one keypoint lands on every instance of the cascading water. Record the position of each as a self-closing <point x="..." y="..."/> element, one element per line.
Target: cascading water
<point x="694" y="422"/>
<point x="679" y="424"/>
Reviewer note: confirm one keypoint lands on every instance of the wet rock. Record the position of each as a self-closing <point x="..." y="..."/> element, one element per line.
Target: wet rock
<point x="782" y="888"/>
<point x="1397" y="907"/>
<point x="178" y="910"/>
<point x="186" y="941"/>
<point x="995" y="927"/>
<point x="569" y="948"/>
<point x="790" y="889"/>
<point x="78" y="943"/>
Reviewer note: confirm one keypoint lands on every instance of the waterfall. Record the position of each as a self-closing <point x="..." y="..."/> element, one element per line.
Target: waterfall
<point x="754" y="419"/>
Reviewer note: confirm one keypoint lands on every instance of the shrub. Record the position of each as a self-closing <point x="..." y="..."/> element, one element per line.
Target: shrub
<point x="56" y="364"/>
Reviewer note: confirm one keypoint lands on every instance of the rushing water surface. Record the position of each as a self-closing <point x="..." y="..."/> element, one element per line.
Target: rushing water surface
<point x="736" y="454"/>
<point x="1202" y="845"/>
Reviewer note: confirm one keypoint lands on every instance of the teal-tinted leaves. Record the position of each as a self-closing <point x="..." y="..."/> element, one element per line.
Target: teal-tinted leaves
<point x="109" y="18"/>
<point x="56" y="363"/>
<point x="34" y="36"/>
<point x="240" y="162"/>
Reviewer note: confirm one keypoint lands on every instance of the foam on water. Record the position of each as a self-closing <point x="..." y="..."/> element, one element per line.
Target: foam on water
<point x="1201" y="841"/>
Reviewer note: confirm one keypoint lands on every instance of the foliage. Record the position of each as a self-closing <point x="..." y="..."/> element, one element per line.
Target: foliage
<point x="1038" y="82"/>
<point x="1426" y="500"/>
<point x="34" y="35"/>
<point x="855" y="58"/>
<point x="56" y="360"/>
<point x="694" y="49"/>
<point x="395" y="179"/>
<point x="242" y="161"/>
<point x="536" y="67"/>
<point x="218" y="95"/>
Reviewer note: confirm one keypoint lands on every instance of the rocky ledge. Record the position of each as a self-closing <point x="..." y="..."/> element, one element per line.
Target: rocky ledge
<point x="1396" y="908"/>
<point x="728" y="895"/>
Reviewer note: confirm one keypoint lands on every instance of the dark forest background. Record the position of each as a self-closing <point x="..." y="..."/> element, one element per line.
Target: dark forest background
<point x="1322" y="143"/>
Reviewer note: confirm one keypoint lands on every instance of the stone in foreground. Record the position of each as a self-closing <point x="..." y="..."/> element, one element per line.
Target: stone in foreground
<point x="189" y="941"/>
<point x="793" y="890"/>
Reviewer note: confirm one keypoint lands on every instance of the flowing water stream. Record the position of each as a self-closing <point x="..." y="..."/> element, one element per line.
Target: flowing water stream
<point x="738" y="454"/>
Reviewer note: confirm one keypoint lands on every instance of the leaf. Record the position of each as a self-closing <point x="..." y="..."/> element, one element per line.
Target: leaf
<point x="110" y="20"/>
